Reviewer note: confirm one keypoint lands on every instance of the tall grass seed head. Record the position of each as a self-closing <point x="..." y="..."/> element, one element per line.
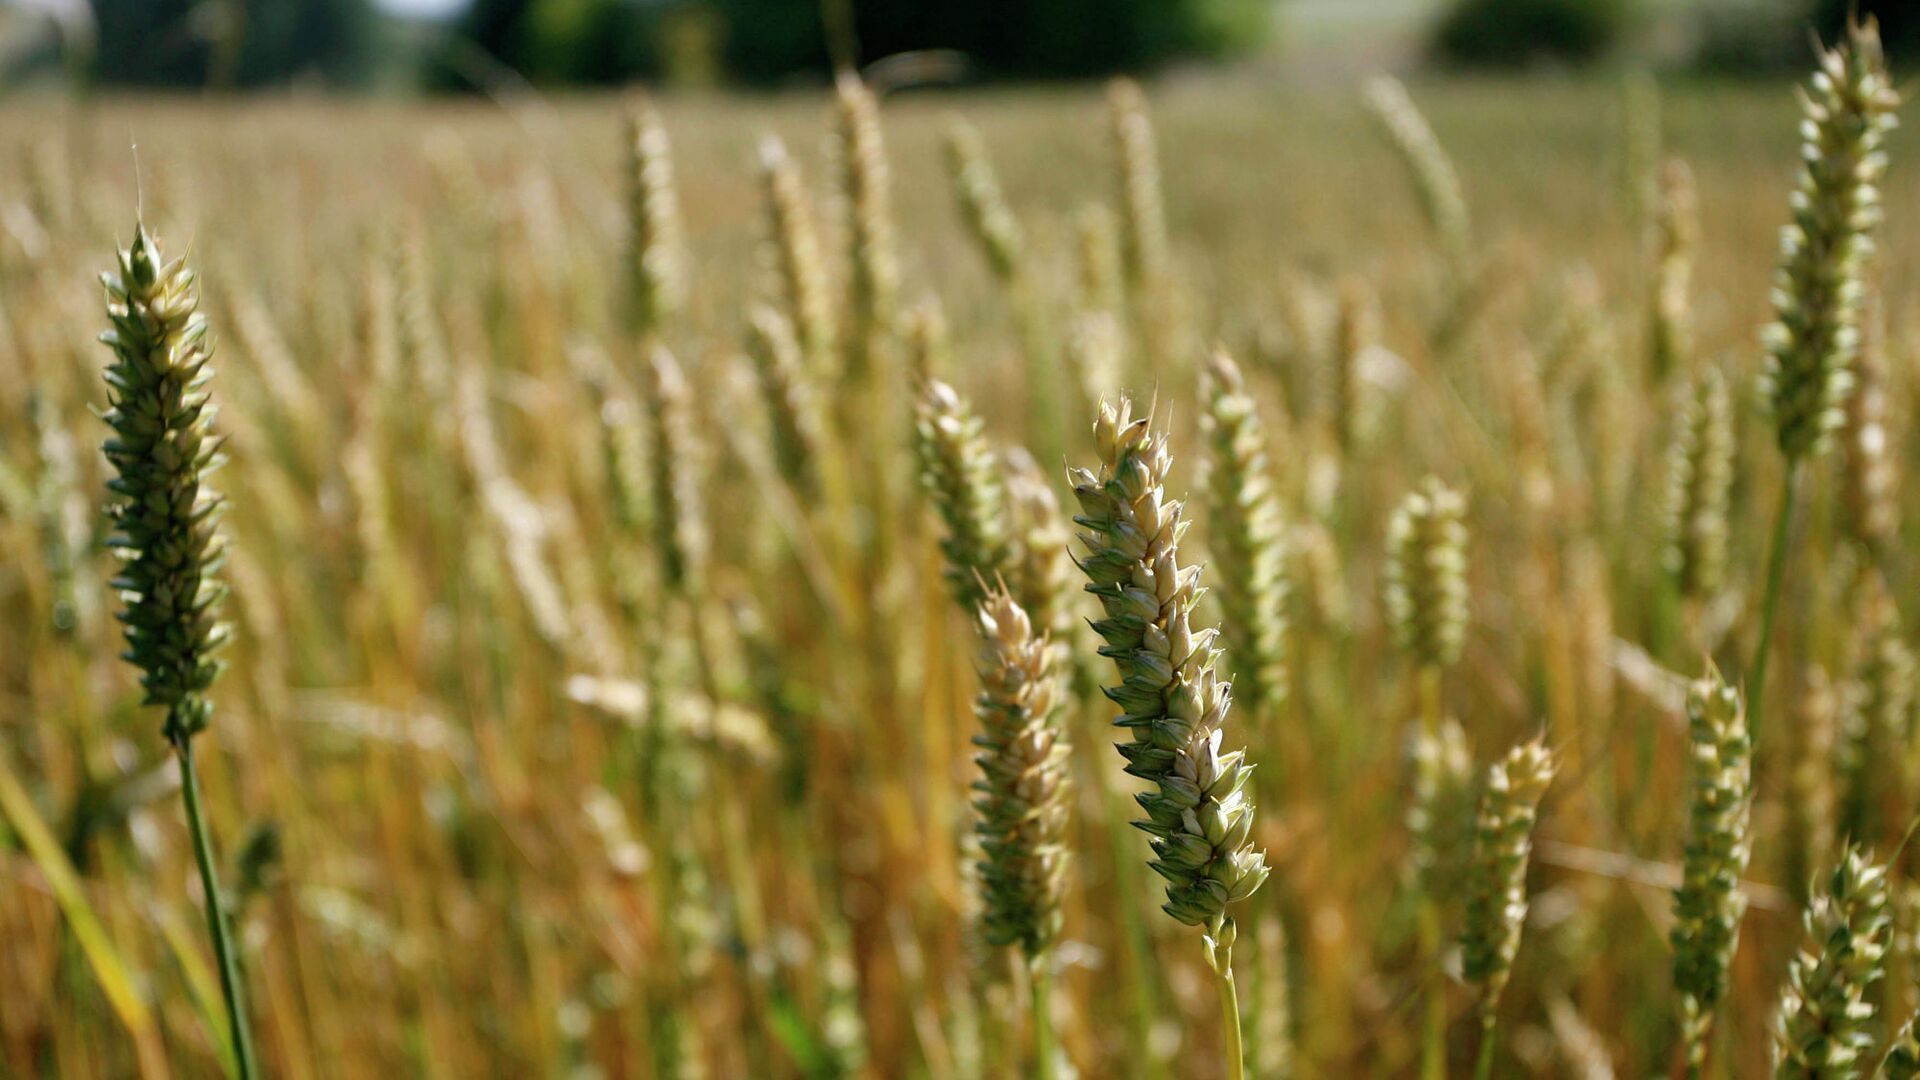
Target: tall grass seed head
<point x="162" y="449"/>
<point x="1709" y="903"/>
<point x="1824" y="1024"/>
<point x="1173" y="703"/>
<point x="1246" y="535"/>
<point x="960" y="475"/>
<point x="1426" y="589"/>
<point x="1700" y="486"/>
<point x="1023" y="793"/>
<point x="1497" y="876"/>
<point x="1824" y="249"/>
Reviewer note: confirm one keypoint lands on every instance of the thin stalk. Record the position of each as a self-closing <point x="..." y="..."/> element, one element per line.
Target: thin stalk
<point x="231" y="986"/>
<point x="1433" y="1043"/>
<point x="1483" y="1064"/>
<point x="1040" y="996"/>
<point x="1221" y="959"/>
<point x="1769" y="607"/>
<point x="1433" y="1040"/>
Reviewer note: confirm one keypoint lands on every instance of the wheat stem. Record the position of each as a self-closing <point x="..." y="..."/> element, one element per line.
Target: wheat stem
<point x="1045" y="1048"/>
<point x="1769" y="607"/>
<point x="1483" y="1062"/>
<point x="232" y="989"/>
<point x="1220" y="958"/>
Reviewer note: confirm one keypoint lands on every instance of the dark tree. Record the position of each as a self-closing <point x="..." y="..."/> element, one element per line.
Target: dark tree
<point x="1514" y="33"/>
<point x="245" y="43"/>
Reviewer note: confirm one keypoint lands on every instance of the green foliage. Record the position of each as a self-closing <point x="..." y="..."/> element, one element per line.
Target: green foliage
<point x="549" y="42"/>
<point x="244" y="43"/>
<point x="771" y="39"/>
<point x="1506" y="33"/>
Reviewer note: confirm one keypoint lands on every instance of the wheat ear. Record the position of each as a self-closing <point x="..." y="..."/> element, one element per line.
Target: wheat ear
<point x="1818" y="286"/>
<point x="1173" y="704"/>
<point x="1823" y="1027"/>
<point x="1497" y="880"/>
<point x="166" y="532"/>
<point x="1709" y="903"/>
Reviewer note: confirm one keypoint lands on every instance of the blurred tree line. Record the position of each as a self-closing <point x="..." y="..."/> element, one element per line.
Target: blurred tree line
<point x="233" y="43"/>
<point x="767" y="41"/>
<point x="259" y="43"/>
<point x="1723" y="35"/>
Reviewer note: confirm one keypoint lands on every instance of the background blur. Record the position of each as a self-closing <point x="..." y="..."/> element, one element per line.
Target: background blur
<point x="467" y="45"/>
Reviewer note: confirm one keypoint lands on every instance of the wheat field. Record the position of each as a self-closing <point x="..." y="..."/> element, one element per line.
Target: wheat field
<point x="604" y="688"/>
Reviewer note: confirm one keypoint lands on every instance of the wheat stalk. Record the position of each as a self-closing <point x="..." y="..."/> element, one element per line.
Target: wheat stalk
<point x="1709" y="903"/>
<point x="960" y="476"/>
<point x="1431" y="170"/>
<point x="787" y="393"/>
<point x="1869" y="469"/>
<point x="1818" y="286"/>
<point x="1173" y="704"/>
<point x="793" y="250"/>
<point x="983" y="209"/>
<point x="1143" y="217"/>
<point x="679" y="520"/>
<point x="657" y="282"/>
<point x="1246" y="534"/>
<point x="874" y="280"/>
<point x="1679" y="237"/>
<point x="166" y="519"/>
<point x="1699" y="487"/>
<point x="1877" y="716"/>
<point x="1426" y="592"/>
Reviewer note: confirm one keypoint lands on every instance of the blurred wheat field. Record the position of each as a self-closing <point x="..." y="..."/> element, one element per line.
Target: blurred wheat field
<point x="497" y="798"/>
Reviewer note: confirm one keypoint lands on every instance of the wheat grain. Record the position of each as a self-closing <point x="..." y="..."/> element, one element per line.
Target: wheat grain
<point x="793" y="250"/>
<point x="874" y="278"/>
<point x="1709" y="904"/>
<point x="1246" y="536"/>
<point x="1699" y="486"/>
<point x="963" y="481"/>
<point x="1023" y="792"/>
<point x="1869" y="469"/>
<point x="1823" y="1027"/>
<point x="983" y="209"/>
<point x="1426" y="592"/>
<point x="1143" y="217"/>
<point x="787" y="394"/>
<point x="1432" y="172"/>
<point x="1871" y="759"/>
<point x="657" y="281"/>
<point x="1497" y="875"/>
<point x="1679" y="235"/>
<point x="1824" y="250"/>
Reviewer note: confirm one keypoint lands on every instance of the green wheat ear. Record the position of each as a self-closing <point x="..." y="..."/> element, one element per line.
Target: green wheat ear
<point x="166" y="530"/>
<point x="1824" y="249"/>
<point x="1172" y="700"/>
<point x="1497" y="876"/>
<point x="1709" y="905"/>
<point x="1824" y="1026"/>
<point x="166" y="516"/>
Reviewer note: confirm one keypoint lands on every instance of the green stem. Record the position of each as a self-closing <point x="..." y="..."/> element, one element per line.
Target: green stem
<point x="1040" y="996"/>
<point x="1221" y="958"/>
<point x="1433" y="1043"/>
<point x="1769" y="607"/>
<point x="230" y="984"/>
<point x="1483" y="1064"/>
<point x="1430" y="700"/>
